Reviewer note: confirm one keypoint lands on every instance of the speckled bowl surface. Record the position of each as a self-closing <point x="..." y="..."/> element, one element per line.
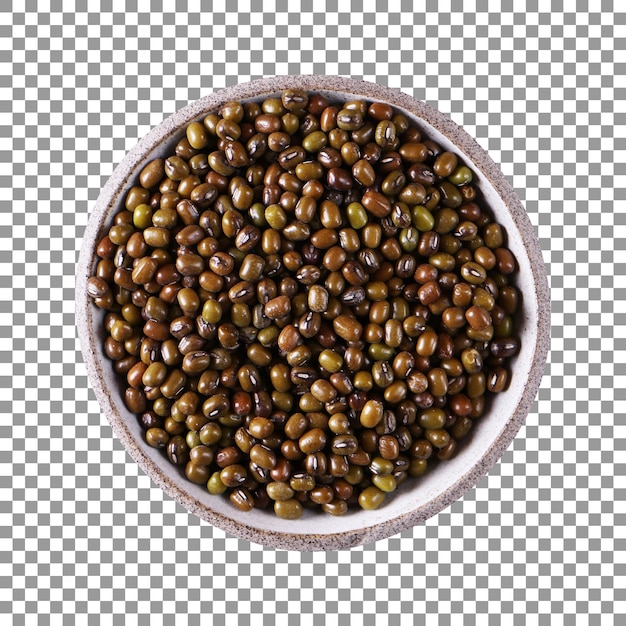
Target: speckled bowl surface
<point x="417" y="499"/>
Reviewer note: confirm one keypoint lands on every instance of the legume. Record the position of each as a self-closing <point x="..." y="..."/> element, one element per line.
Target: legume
<point x="306" y="302"/>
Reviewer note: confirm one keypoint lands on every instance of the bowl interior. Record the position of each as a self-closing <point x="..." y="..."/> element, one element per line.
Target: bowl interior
<point x="417" y="499"/>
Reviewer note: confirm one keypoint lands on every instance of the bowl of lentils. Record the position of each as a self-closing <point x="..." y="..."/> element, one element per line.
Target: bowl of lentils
<point x="313" y="310"/>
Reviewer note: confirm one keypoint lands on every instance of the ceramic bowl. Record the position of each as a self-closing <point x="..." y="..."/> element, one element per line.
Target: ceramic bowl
<point x="417" y="499"/>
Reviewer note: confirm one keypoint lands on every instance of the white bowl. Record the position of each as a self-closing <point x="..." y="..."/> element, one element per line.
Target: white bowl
<point x="417" y="499"/>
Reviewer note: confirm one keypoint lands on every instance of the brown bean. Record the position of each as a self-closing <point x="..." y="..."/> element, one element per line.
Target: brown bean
<point x="266" y="123"/>
<point x="190" y="264"/>
<point x="318" y="299"/>
<point x="376" y="204"/>
<point x="152" y="174"/>
<point x="429" y="292"/>
<point x="388" y="447"/>
<point x="348" y="328"/>
<point x="505" y="347"/>
<point x="241" y="292"/>
<point x="156" y="237"/>
<point x="445" y="164"/>
<point x="380" y="111"/>
<point x="289" y="338"/>
<point x="263" y="456"/>
<point x="363" y="173"/>
<point x="354" y="273"/>
<point x="234" y="475"/>
<point x="312" y="441"/>
<point x="97" y="287"/>
<point x="477" y="317"/>
<point x="505" y="261"/>
<point x="278" y="307"/>
<point x="508" y="299"/>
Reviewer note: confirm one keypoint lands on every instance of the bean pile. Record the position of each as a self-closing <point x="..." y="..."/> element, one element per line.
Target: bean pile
<point x="306" y="302"/>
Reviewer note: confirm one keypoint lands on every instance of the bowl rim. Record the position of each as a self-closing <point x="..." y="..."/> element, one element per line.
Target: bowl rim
<point x="109" y="197"/>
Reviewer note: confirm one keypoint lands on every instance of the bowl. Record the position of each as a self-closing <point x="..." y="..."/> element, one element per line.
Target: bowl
<point x="416" y="500"/>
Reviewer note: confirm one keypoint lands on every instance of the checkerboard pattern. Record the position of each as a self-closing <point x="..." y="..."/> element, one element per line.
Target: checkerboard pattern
<point x="85" y="538"/>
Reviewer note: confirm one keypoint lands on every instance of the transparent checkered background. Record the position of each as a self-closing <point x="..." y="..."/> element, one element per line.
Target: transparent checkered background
<point x="83" y="532"/>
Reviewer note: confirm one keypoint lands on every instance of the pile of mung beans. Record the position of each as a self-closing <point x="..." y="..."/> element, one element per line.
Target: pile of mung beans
<point x="306" y="302"/>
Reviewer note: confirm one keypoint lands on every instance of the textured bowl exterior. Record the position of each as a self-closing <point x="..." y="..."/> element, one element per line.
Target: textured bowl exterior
<point x="416" y="500"/>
